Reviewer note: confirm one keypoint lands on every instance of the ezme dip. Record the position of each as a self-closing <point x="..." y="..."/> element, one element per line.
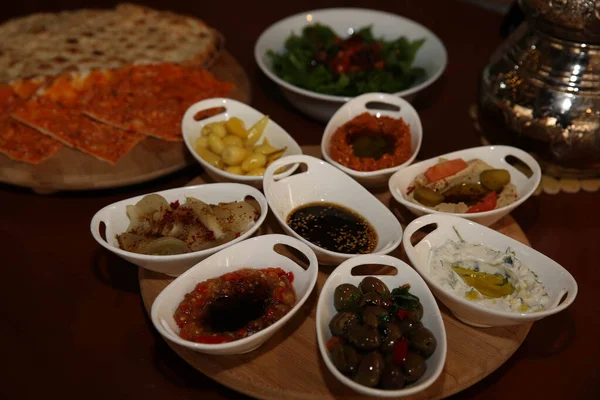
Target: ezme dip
<point x="235" y="305"/>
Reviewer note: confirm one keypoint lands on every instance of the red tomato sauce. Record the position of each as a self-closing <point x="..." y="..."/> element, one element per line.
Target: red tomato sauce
<point x="235" y="305"/>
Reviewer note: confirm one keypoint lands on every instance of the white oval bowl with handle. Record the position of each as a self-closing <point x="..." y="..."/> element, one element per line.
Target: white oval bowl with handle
<point x="492" y="155"/>
<point x="362" y="104"/>
<point x="276" y="135"/>
<point x="255" y="253"/>
<point x="432" y="319"/>
<point x="324" y="183"/>
<point x="432" y="56"/>
<point x="114" y="217"/>
<point x="557" y="280"/>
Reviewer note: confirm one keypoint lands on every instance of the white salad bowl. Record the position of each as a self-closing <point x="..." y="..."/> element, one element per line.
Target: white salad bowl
<point x="377" y="104"/>
<point x="492" y="155"/>
<point x="115" y="219"/>
<point x="324" y="183"/>
<point x="557" y="280"/>
<point x="255" y="253"/>
<point x="276" y="135"/>
<point x="431" y="56"/>
<point x="432" y="319"/>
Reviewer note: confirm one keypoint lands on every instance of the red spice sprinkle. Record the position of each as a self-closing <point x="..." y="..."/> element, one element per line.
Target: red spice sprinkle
<point x="174" y="205"/>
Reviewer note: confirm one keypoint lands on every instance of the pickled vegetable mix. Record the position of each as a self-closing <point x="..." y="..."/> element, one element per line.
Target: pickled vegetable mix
<point x="458" y="186"/>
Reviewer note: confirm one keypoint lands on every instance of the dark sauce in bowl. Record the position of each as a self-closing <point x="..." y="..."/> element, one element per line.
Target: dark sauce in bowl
<point x="334" y="228"/>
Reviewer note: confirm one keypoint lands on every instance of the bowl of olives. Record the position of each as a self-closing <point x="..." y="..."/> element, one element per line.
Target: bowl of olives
<point x="380" y="335"/>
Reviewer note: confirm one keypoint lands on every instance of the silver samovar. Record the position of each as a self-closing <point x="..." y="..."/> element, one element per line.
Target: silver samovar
<point x="541" y="90"/>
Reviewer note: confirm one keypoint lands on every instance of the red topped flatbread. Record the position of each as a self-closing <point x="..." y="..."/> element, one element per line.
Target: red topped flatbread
<point x="19" y="141"/>
<point x="62" y="120"/>
<point x="153" y="98"/>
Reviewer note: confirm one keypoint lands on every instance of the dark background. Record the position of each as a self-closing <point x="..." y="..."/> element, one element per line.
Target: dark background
<point x="73" y="324"/>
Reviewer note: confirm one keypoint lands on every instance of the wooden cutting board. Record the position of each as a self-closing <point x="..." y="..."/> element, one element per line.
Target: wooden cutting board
<point x="70" y="169"/>
<point x="289" y="364"/>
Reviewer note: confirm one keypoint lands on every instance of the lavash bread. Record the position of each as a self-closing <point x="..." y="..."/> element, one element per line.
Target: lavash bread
<point x="48" y="44"/>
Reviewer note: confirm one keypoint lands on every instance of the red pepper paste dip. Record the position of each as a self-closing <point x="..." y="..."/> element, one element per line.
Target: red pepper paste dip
<point x="369" y="143"/>
<point x="235" y="305"/>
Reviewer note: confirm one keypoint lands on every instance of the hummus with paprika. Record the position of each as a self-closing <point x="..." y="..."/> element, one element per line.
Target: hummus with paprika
<point x="370" y="143"/>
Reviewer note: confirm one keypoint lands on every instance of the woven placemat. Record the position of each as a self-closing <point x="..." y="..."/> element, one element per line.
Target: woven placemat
<point x="548" y="184"/>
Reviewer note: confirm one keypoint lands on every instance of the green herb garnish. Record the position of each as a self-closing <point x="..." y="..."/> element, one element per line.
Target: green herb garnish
<point x="402" y="299"/>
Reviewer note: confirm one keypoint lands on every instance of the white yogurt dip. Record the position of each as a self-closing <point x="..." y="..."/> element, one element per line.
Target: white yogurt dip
<point x="529" y="294"/>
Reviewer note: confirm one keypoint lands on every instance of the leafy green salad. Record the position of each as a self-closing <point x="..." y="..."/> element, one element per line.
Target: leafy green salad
<point x="320" y="61"/>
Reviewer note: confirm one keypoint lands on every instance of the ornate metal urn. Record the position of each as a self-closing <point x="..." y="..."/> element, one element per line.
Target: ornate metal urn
<point x="541" y="90"/>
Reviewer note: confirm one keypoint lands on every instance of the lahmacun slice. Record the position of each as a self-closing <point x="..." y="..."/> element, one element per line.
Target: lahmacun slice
<point x="18" y="141"/>
<point x="152" y="98"/>
<point x="76" y="130"/>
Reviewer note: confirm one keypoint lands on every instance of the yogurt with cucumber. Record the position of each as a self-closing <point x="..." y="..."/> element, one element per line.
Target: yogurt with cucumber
<point x="458" y="186"/>
<point x="491" y="278"/>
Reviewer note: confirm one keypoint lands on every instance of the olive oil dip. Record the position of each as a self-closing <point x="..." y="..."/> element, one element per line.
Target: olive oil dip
<point x="493" y="279"/>
<point x="334" y="228"/>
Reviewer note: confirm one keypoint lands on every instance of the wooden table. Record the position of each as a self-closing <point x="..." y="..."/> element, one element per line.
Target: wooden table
<point x="73" y="323"/>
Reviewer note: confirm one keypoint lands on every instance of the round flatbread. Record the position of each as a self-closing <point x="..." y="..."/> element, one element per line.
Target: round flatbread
<point x="47" y="44"/>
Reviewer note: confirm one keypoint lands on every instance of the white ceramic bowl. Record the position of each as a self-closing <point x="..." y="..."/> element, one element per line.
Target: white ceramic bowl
<point x="431" y="56"/>
<point x="432" y="319"/>
<point x="325" y="183"/>
<point x="357" y="106"/>
<point x="494" y="156"/>
<point x="557" y="280"/>
<point x="115" y="218"/>
<point x="254" y="253"/>
<point x="276" y="135"/>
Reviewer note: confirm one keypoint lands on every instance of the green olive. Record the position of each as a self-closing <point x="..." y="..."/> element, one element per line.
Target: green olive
<point x="370" y="369"/>
<point x="371" y="298"/>
<point x="346" y="297"/>
<point x="423" y="341"/>
<point x="414" y="366"/>
<point x="339" y="323"/>
<point x="494" y="179"/>
<point x="363" y="337"/>
<point x="345" y="358"/>
<point x="407" y="326"/>
<point x="373" y="315"/>
<point x="416" y="314"/>
<point x="428" y="197"/>
<point x="350" y="327"/>
<point x="391" y="333"/>
<point x="372" y="284"/>
<point x="392" y="377"/>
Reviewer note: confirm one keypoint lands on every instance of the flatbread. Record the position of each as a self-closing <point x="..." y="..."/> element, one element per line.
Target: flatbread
<point x="69" y="126"/>
<point x="19" y="141"/>
<point x="49" y="44"/>
<point x="152" y="99"/>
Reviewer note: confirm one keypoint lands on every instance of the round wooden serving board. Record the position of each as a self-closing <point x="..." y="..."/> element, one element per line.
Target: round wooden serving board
<point x="289" y="364"/>
<point x="71" y="169"/>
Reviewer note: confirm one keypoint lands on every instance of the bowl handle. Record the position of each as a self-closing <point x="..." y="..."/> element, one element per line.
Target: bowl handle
<point x="525" y="158"/>
<point x="415" y="226"/>
<point x="189" y="121"/>
<point x="383" y="259"/>
<point x="97" y="219"/>
<point x="301" y="247"/>
<point x="311" y="162"/>
<point x="383" y="98"/>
